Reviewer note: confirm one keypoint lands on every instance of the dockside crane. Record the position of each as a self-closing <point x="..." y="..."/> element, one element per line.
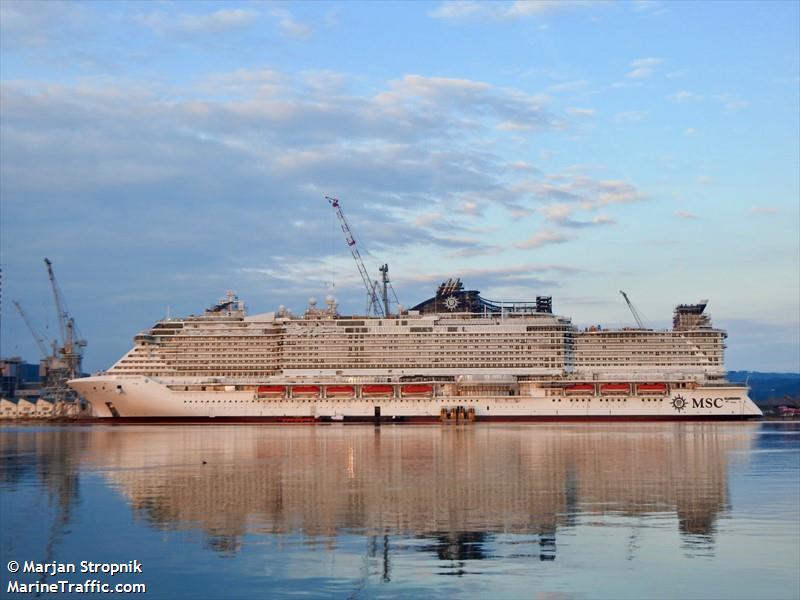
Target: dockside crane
<point x="374" y="306"/>
<point x="36" y="335"/>
<point x="634" y="312"/>
<point x="71" y="349"/>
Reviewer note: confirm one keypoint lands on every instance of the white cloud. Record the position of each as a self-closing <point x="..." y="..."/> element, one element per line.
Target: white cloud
<point x="684" y="96"/>
<point x="221" y="21"/>
<point x="689" y="131"/>
<point x="764" y="210"/>
<point x="731" y="103"/>
<point x="470" y="11"/>
<point x="289" y="26"/>
<point x="643" y="67"/>
<point x="542" y="238"/>
<point x="216" y="22"/>
<point x="471" y="208"/>
<point x="683" y="214"/>
<point x="580" y="112"/>
<point x="629" y="116"/>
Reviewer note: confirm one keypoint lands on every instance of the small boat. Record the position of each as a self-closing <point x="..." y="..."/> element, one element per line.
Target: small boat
<point x="615" y="388"/>
<point x="580" y="388"/>
<point x="340" y="391"/>
<point x="417" y="389"/>
<point x="652" y="388"/>
<point x="305" y="391"/>
<point x="377" y="390"/>
<point x="270" y="391"/>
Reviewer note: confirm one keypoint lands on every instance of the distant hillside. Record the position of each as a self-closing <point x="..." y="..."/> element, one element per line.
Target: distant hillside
<point x="770" y="389"/>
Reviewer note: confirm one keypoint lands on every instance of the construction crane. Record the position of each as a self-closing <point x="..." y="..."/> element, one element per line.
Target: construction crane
<point x="634" y="312"/>
<point x="71" y="348"/>
<point x="373" y="304"/>
<point x="36" y="336"/>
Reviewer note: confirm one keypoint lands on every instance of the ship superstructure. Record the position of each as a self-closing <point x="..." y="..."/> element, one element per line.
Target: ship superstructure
<point x="455" y="357"/>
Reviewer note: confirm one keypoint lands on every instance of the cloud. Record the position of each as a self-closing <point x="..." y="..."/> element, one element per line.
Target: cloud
<point x="542" y="238"/>
<point x="580" y="112"/>
<point x="684" y="96"/>
<point x="561" y="214"/>
<point x="764" y="210"/>
<point x="643" y="67"/>
<point x="630" y="116"/>
<point x="683" y="214"/>
<point x="689" y="131"/>
<point x="731" y="103"/>
<point x="217" y="22"/>
<point x="470" y="11"/>
<point x="471" y="208"/>
<point x="289" y="26"/>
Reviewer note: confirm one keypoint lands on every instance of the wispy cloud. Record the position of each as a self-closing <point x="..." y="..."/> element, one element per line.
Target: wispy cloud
<point x="220" y="21"/>
<point x="683" y="214"/>
<point x="289" y="26"/>
<point x="467" y="10"/>
<point x="574" y="111"/>
<point x="731" y="103"/>
<point x="764" y="210"/>
<point x="643" y="67"/>
<point x="629" y="116"/>
<point x="684" y="96"/>
<point x="542" y="238"/>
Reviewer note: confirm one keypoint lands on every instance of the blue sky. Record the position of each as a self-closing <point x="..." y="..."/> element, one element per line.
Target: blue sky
<point x="162" y="153"/>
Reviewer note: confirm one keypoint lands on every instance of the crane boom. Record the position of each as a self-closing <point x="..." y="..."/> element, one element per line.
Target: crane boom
<point x="36" y="336"/>
<point x="62" y="314"/>
<point x="373" y="304"/>
<point x="634" y="312"/>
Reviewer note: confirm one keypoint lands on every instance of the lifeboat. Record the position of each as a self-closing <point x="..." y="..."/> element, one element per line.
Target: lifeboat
<point x="340" y="391"/>
<point x="377" y="390"/>
<point x="270" y="391"/>
<point x="305" y="391"/>
<point x="652" y="388"/>
<point x="615" y="388"/>
<point x="585" y="389"/>
<point x="417" y="389"/>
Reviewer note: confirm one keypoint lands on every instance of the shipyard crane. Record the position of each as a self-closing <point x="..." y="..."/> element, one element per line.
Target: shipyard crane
<point x="36" y="335"/>
<point x="634" y="312"/>
<point x="373" y="304"/>
<point x="71" y="345"/>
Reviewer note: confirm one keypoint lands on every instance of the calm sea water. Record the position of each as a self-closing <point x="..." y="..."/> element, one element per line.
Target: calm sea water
<point x="534" y="511"/>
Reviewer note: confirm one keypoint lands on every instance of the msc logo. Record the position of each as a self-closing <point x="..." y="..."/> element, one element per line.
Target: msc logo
<point x="707" y="402"/>
<point x="680" y="403"/>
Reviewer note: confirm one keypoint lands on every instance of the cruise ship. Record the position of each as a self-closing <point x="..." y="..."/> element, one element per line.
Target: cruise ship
<point x="454" y="358"/>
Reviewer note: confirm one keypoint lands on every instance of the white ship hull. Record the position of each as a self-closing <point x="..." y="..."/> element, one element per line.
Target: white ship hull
<point x="135" y="398"/>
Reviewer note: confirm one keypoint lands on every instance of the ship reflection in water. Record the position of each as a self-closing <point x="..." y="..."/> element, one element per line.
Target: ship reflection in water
<point x="349" y="504"/>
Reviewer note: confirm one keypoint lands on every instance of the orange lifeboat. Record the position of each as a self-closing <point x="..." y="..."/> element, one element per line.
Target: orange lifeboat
<point x="305" y="391"/>
<point x="270" y="391"/>
<point x="584" y="389"/>
<point x="340" y="391"/>
<point x="417" y="389"/>
<point x="615" y="388"/>
<point x="652" y="388"/>
<point x="377" y="391"/>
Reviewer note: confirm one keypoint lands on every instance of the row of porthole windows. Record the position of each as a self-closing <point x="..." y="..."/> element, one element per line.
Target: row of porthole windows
<point x="609" y="399"/>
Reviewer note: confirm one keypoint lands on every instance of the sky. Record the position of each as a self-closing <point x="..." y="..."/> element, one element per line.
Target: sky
<point x="163" y="153"/>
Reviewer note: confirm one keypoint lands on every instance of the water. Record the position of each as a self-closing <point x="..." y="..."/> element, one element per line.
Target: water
<point x="536" y="511"/>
